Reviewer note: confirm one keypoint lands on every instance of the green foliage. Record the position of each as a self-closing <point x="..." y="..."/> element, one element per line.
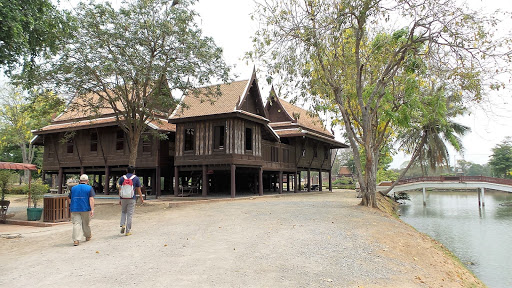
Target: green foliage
<point x="17" y="189"/>
<point x="387" y="175"/>
<point x="402" y="196"/>
<point x="6" y="177"/>
<point x="501" y="159"/>
<point x="37" y="190"/>
<point x="344" y="183"/>
<point x="479" y="170"/>
<point x="20" y="113"/>
<point x="129" y="59"/>
<point x="382" y="83"/>
<point x="30" y="29"/>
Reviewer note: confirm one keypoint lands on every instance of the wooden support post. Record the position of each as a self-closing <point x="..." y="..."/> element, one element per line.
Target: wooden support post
<point x="233" y="182"/>
<point x="260" y="182"/>
<point x="204" y="188"/>
<point x="297" y="181"/>
<point x="330" y="181"/>
<point x="158" y="182"/>
<point x="106" y="187"/>
<point x="176" y="181"/>
<point x="288" y="182"/>
<point x="309" y="180"/>
<point x="424" y="198"/>
<point x="82" y="170"/>
<point x="61" y="180"/>
<point x="320" y="180"/>
<point x="280" y="182"/>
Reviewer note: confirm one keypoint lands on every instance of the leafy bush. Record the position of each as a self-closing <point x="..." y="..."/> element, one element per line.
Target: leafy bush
<point x="37" y="190"/>
<point x="402" y="196"/>
<point x="343" y="181"/>
<point x="6" y="177"/>
<point x="387" y="175"/>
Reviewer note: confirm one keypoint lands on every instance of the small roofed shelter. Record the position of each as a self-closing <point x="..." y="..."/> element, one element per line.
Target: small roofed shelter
<point x="90" y="141"/>
<point x="305" y="131"/>
<point x="19" y="166"/>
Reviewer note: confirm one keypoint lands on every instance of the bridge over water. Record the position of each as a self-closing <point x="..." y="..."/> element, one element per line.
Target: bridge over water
<point x="480" y="183"/>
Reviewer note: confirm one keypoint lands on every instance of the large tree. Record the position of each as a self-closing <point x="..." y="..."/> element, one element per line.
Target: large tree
<point x="373" y="61"/>
<point x="30" y="29"/>
<point x="20" y="113"/>
<point x="129" y="59"/>
<point x="501" y="159"/>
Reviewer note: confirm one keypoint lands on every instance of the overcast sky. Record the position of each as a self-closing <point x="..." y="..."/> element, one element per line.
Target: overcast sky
<point x="229" y="23"/>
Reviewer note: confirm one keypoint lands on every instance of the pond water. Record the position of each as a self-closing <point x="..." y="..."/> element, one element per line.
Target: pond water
<point x="480" y="237"/>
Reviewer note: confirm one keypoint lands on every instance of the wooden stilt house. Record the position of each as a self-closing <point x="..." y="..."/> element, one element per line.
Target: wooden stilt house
<point x="78" y="142"/>
<point x="231" y="144"/>
<point x="237" y="144"/>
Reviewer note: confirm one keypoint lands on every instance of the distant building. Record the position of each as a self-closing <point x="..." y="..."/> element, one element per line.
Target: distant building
<point x="344" y="172"/>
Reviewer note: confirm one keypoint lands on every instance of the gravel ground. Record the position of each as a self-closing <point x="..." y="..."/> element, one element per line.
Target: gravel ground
<point x="293" y="240"/>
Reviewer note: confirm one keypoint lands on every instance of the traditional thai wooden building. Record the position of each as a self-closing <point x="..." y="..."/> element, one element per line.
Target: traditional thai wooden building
<point x="311" y="141"/>
<point x="78" y="142"/>
<point x="237" y="144"/>
<point x="230" y="144"/>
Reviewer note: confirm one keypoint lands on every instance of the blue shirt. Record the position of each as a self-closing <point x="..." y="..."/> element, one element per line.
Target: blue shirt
<point x="79" y="196"/>
<point x="135" y="181"/>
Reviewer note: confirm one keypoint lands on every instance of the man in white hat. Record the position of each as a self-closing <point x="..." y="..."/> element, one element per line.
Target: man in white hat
<point x="82" y="209"/>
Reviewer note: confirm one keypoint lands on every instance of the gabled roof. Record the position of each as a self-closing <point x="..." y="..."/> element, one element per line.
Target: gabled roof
<point x="289" y="120"/>
<point x="73" y="119"/>
<point x="344" y="171"/>
<point x="157" y="124"/>
<point x="235" y="97"/>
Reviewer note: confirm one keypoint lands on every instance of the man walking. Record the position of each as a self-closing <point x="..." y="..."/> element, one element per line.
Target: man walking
<point x="128" y="185"/>
<point x="82" y="209"/>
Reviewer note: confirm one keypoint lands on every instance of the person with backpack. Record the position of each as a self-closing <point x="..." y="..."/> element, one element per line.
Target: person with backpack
<point x="128" y="185"/>
<point x="81" y="205"/>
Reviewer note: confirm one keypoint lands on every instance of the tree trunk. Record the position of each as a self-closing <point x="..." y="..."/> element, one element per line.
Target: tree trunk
<point x="370" y="180"/>
<point x="133" y="145"/>
<point x="24" y="156"/>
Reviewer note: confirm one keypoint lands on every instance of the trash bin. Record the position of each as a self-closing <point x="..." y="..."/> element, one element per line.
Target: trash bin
<point x="56" y="208"/>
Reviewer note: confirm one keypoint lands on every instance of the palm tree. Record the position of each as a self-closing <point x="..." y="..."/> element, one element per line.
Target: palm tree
<point x="428" y="134"/>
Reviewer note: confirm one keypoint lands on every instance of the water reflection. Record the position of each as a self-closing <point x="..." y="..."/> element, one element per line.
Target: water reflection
<point x="481" y="236"/>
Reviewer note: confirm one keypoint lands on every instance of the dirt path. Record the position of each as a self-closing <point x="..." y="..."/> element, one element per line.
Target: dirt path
<point x="296" y="240"/>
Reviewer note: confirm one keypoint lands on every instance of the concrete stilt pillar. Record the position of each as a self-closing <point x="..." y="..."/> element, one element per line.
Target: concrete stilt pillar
<point x="483" y="197"/>
<point x="424" y="197"/>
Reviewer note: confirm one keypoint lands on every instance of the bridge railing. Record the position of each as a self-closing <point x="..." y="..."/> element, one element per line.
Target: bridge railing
<point x="456" y="179"/>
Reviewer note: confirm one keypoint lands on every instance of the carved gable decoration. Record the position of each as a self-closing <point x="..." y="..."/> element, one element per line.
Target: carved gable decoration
<point x="251" y="102"/>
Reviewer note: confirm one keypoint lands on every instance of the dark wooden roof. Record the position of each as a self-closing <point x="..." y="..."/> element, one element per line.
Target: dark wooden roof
<point x="288" y="120"/>
<point x="85" y="118"/>
<point x="222" y="99"/>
